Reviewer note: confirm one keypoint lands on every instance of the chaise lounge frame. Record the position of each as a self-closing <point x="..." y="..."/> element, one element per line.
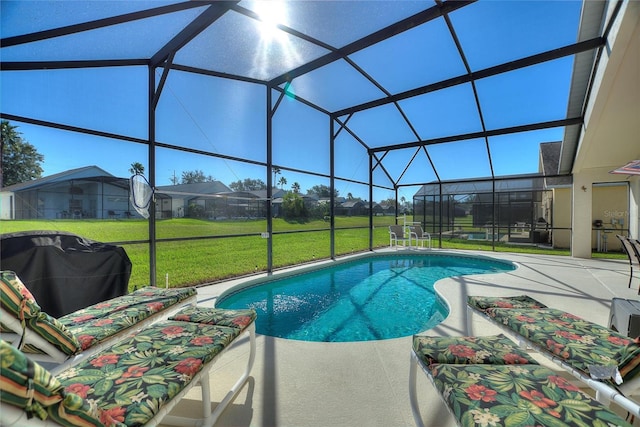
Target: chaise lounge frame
<point x="14" y="416"/>
<point x="52" y="355"/>
<point x="492" y="350"/>
<point x="605" y="393"/>
<point x="211" y="417"/>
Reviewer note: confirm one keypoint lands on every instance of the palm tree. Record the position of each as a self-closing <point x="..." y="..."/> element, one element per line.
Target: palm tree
<point x="276" y="172"/>
<point x="295" y="187"/>
<point x="136" y="168"/>
<point x="282" y="181"/>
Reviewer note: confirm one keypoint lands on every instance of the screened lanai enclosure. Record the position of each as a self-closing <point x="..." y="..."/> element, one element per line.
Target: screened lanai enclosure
<point x="274" y="133"/>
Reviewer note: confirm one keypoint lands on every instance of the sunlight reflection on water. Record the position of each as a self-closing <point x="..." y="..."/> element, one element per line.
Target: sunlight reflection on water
<point x="374" y="298"/>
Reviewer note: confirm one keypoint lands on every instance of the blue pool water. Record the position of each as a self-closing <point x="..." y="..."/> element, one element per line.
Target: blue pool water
<point x="372" y="298"/>
<point x="483" y="236"/>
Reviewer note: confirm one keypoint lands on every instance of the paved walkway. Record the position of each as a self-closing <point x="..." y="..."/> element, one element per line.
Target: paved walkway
<point x="308" y="384"/>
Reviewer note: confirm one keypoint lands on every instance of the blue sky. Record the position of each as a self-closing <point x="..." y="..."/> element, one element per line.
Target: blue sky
<point x="229" y="118"/>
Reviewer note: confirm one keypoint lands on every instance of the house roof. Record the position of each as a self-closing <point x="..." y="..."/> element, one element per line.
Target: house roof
<point x="262" y="194"/>
<point x="195" y="189"/>
<point x="550" y="153"/>
<point x="255" y="194"/>
<point x="90" y="173"/>
<point x="352" y="203"/>
<point x="550" y="157"/>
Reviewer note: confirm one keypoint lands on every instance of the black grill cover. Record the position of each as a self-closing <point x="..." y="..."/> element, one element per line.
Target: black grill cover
<point x="65" y="272"/>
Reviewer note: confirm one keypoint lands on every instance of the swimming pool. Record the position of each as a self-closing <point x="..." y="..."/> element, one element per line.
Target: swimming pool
<point x="370" y="298"/>
<point x="484" y="236"/>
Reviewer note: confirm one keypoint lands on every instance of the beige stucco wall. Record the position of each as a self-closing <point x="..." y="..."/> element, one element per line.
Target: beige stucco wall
<point x="611" y="206"/>
<point x="599" y="194"/>
<point x="562" y="218"/>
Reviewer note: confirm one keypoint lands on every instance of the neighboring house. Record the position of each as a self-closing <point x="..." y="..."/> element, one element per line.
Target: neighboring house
<point x="199" y="200"/>
<point x="556" y="204"/>
<point x="311" y="201"/>
<point x="276" y="204"/>
<point x="377" y="209"/>
<point x="248" y="204"/>
<point x="352" y="208"/>
<point x="388" y="209"/>
<point x="87" y="192"/>
<point x="213" y="200"/>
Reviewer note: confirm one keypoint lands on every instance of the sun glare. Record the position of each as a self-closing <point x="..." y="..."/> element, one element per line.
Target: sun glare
<point x="271" y="14"/>
<point x="275" y="51"/>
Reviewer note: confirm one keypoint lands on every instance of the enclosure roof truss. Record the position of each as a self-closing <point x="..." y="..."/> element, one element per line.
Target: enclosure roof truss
<point x="348" y="51"/>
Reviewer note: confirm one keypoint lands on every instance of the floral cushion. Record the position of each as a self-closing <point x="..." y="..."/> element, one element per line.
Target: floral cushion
<point x="132" y="380"/>
<point x="520" y="301"/>
<point x="17" y="286"/>
<point x="578" y="342"/>
<point x="217" y="316"/>
<point x="29" y="386"/>
<point x="497" y="350"/>
<point x="16" y="300"/>
<point x="103" y="320"/>
<point x="517" y="395"/>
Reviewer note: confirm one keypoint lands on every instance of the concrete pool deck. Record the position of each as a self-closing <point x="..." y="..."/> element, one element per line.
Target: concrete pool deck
<point x="308" y="384"/>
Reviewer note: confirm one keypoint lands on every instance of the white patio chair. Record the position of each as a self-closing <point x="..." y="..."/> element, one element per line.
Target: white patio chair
<point x="396" y="236"/>
<point x="421" y="236"/>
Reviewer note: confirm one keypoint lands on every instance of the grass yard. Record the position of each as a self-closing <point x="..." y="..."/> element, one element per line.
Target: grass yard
<point x="217" y="250"/>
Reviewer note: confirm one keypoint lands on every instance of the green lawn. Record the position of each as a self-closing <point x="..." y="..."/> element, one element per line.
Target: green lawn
<point x="210" y="254"/>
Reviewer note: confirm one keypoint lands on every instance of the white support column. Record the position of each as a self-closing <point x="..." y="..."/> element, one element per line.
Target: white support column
<point x="634" y="209"/>
<point x="581" y="216"/>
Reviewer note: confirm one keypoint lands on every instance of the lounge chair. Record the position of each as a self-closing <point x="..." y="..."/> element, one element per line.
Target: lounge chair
<point x="66" y="340"/>
<point x="490" y="381"/>
<point x="632" y="249"/>
<point x="416" y="232"/>
<point x="397" y="235"/>
<point x="138" y="381"/>
<point x="603" y="359"/>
